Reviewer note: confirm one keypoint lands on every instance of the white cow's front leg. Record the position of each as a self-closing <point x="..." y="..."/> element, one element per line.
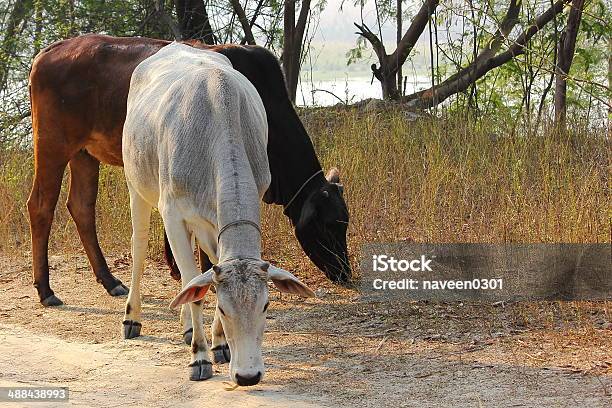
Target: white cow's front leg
<point x="187" y="323"/>
<point x="220" y="349"/>
<point x="141" y="215"/>
<point x="200" y="367"/>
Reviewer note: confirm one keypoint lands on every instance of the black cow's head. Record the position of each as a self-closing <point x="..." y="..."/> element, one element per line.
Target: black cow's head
<point x="321" y="228"/>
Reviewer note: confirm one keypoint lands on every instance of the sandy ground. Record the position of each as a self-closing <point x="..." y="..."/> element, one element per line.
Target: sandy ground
<point x="119" y="374"/>
<point x="336" y="350"/>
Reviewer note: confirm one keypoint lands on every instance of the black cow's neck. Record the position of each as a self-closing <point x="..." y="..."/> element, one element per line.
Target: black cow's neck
<point x="291" y="154"/>
<point x="292" y="161"/>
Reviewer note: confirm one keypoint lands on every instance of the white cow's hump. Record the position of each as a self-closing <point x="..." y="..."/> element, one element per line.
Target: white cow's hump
<point x="179" y="61"/>
<point x="196" y="131"/>
<point x="180" y="56"/>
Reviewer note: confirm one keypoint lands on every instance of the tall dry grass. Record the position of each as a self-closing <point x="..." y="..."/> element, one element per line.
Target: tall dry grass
<point x="431" y="180"/>
<point x="454" y="180"/>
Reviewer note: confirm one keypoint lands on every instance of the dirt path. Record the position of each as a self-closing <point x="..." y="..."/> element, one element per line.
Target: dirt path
<point x="120" y="374"/>
<point x="336" y="350"/>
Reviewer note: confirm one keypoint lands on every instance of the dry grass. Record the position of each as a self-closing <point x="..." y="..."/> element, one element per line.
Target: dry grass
<point x="452" y="181"/>
<point x="432" y="180"/>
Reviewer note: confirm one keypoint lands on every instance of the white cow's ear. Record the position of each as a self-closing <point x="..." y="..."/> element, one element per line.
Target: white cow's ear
<point x="195" y="290"/>
<point x="288" y="283"/>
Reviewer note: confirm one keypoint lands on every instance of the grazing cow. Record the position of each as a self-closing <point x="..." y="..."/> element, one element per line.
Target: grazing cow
<point x="78" y="92"/>
<point x="194" y="146"/>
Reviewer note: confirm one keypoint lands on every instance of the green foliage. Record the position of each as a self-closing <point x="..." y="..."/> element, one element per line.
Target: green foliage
<point x="461" y="31"/>
<point x="42" y="22"/>
<point x="521" y="83"/>
<point x="356" y="54"/>
<point x="521" y="86"/>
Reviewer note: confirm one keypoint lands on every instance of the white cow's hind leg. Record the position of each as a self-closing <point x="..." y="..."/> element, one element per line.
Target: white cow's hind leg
<point x="186" y="309"/>
<point x="200" y="367"/>
<point x="141" y="215"/>
<point x="220" y="348"/>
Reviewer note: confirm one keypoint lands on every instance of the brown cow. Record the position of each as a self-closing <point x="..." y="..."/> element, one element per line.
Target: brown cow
<point x="78" y="92"/>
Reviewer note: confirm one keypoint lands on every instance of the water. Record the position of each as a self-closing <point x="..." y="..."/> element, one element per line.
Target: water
<point x="349" y="89"/>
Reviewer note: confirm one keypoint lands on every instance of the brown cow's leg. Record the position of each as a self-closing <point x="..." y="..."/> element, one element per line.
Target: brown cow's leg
<point x="41" y="205"/>
<point x="205" y="263"/>
<point x="84" y="171"/>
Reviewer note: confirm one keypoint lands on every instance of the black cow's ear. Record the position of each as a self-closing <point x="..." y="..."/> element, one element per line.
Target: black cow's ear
<point x="333" y="175"/>
<point x="309" y="211"/>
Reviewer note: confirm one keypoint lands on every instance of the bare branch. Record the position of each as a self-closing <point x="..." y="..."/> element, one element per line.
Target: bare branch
<point x="302" y="19"/>
<point x="244" y="22"/>
<point x="256" y="14"/>
<point x="377" y="45"/>
<point x="331" y="93"/>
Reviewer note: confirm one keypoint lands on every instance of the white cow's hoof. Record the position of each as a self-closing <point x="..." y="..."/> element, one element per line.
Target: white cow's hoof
<point x="200" y="370"/>
<point x="187" y="336"/>
<point x="52" y="301"/>
<point x="131" y="329"/>
<point x="119" y="290"/>
<point x="221" y="354"/>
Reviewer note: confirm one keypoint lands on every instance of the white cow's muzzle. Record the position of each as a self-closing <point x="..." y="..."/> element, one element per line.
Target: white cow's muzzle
<point x="246" y="364"/>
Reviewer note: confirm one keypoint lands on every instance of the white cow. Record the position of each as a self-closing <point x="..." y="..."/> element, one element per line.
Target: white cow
<point x="194" y="146"/>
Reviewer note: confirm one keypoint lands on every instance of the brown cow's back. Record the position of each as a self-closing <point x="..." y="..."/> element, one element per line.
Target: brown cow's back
<point x="81" y="85"/>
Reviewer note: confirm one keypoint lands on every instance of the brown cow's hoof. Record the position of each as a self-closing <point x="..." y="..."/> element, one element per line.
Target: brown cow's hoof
<point x="200" y="370"/>
<point x="221" y="354"/>
<point x="52" y="301"/>
<point x="131" y="329"/>
<point x="119" y="290"/>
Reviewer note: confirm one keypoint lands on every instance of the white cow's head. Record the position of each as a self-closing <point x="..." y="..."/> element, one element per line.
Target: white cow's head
<point x="242" y="300"/>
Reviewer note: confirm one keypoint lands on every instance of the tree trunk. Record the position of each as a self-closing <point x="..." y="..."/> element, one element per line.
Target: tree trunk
<point x="399" y="39"/>
<point x="166" y="19"/>
<point x="565" y="55"/>
<point x="193" y="21"/>
<point x="390" y="89"/>
<point x="20" y="12"/>
<point x="293" y="37"/>
<point x="610" y="82"/>
<point x="390" y="65"/>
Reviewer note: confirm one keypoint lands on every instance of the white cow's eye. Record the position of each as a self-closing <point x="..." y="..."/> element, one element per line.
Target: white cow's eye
<point x="266" y="306"/>
<point x="221" y="310"/>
